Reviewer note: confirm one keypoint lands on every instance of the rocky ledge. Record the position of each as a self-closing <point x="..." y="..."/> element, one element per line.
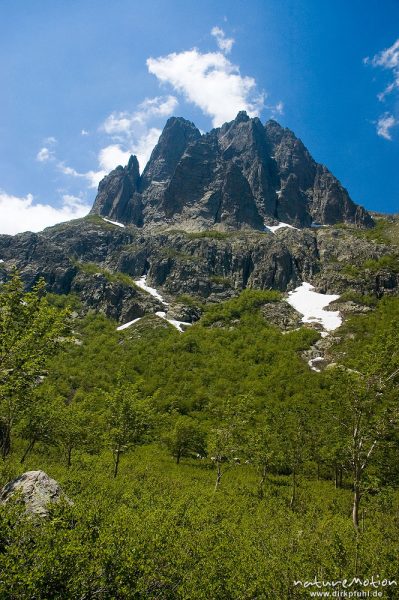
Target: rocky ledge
<point x="100" y="262"/>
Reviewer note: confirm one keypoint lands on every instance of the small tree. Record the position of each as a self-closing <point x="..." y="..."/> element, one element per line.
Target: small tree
<point x="362" y="417"/>
<point x="185" y="439"/>
<point x="129" y="419"/>
<point x="30" y="332"/>
<point x="40" y="424"/>
<point x="265" y="451"/>
<point x="293" y="424"/>
<point x="73" y="427"/>
<point x="228" y="439"/>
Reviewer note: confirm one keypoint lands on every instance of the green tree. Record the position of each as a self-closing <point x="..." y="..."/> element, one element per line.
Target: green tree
<point x="228" y="439"/>
<point x="293" y="423"/>
<point x="362" y="416"/>
<point x="40" y="424"/>
<point x="129" y="417"/>
<point x="185" y="438"/>
<point x="265" y="450"/>
<point x="31" y="330"/>
<point x="74" y="426"/>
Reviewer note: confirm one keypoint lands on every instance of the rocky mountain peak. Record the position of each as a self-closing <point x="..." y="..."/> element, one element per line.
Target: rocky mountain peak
<point x="242" y="117"/>
<point x="176" y="136"/>
<point x="133" y="167"/>
<point x="241" y="175"/>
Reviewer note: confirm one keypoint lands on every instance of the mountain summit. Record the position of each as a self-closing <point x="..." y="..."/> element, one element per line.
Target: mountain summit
<point x="242" y="175"/>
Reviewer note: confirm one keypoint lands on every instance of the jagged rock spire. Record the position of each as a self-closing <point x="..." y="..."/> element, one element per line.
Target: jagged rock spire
<point x="240" y="175"/>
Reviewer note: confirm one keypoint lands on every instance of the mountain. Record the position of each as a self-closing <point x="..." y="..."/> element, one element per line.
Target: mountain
<point x="193" y="223"/>
<point x="239" y="176"/>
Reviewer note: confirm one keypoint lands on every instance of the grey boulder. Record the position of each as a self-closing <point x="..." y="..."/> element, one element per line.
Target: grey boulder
<point x="36" y="490"/>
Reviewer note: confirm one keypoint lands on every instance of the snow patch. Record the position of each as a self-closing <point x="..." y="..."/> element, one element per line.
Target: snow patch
<point x="316" y="225"/>
<point x="126" y="325"/>
<point x="113" y="222"/>
<point x="142" y="283"/>
<point x="177" y="324"/>
<point x="1" y="260"/>
<point x="311" y="305"/>
<point x="274" y="228"/>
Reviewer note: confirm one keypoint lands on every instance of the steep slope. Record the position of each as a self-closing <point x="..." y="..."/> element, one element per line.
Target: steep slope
<point x="307" y="183"/>
<point x="100" y="261"/>
<point x="239" y="176"/>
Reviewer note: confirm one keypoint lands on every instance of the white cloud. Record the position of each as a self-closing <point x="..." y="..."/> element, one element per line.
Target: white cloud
<point x="387" y="59"/>
<point x="225" y="44"/>
<point x="92" y="177"/>
<point x="44" y="155"/>
<point x="127" y="123"/>
<point x="385" y="124"/>
<point x="68" y="170"/>
<point x="84" y="132"/>
<point x="24" y="214"/>
<point x="108" y="159"/>
<point x="132" y="133"/>
<point x="112" y="156"/>
<point x="276" y="109"/>
<point x="211" y="82"/>
<point x="145" y="145"/>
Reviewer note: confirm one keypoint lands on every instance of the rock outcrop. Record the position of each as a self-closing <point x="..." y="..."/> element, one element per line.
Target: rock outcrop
<point x="239" y="176"/>
<point x="118" y="196"/>
<point x="99" y="262"/>
<point x="36" y="490"/>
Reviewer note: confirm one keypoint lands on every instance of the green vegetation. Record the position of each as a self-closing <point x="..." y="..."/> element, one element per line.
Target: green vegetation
<point x="386" y="231"/>
<point x="212" y="464"/>
<point x="220" y="280"/>
<point x="247" y="303"/>
<point x="388" y="262"/>
<point x="114" y="276"/>
<point x="189" y="301"/>
<point x="364" y="299"/>
<point x="30" y="331"/>
<point x="214" y="235"/>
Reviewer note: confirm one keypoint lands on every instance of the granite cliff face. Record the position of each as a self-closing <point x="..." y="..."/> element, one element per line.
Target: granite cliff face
<point x="100" y="261"/>
<point x="239" y="176"/>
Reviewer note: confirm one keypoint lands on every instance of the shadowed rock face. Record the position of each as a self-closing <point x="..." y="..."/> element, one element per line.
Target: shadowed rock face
<point x="238" y="176"/>
<point x="36" y="489"/>
<point x="208" y="266"/>
<point x="309" y="191"/>
<point x="117" y="196"/>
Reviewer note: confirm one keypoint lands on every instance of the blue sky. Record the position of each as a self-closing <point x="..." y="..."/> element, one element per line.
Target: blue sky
<point x="86" y="82"/>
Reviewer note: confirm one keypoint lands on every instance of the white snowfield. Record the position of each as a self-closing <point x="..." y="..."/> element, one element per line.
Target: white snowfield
<point x="312" y="306"/>
<point x="1" y="260"/>
<point x="177" y="324"/>
<point x="126" y="325"/>
<point x="113" y="222"/>
<point x="142" y="283"/>
<point x="274" y="228"/>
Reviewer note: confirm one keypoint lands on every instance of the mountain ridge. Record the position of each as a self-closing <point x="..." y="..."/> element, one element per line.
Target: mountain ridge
<point x="241" y="175"/>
